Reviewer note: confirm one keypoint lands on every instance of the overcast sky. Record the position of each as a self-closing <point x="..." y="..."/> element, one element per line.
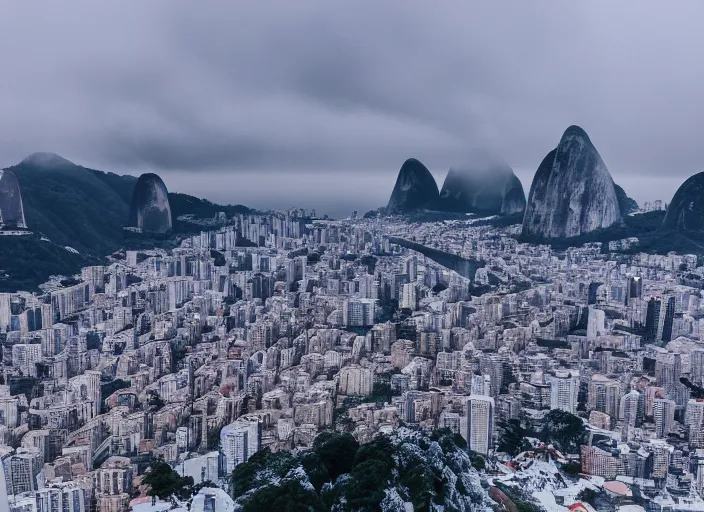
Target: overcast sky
<point x="318" y="103"/>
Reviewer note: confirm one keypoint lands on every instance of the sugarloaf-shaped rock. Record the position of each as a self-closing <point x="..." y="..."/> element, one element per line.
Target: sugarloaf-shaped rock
<point x="415" y="188"/>
<point x="150" y="210"/>
<point x="11" y="208"/>
<point x="485" y="185"/>
<point x="686" y="210"/>
<point x="572" y="192"/>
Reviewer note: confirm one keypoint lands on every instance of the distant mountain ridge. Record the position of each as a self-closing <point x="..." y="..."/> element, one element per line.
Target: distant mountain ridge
<point x="85" y="209"/>
<point x="485" y="185"/>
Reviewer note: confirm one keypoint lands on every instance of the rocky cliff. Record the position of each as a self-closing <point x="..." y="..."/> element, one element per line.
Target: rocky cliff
<point x="150" y="210"/>
<point x="415" y="188"/>
<point x="485" y="185"/>
<point x="686" y="210"/>
<point x="11" y="209"/>
<point x="625" y="203"/>
<point x="572" y="192"/>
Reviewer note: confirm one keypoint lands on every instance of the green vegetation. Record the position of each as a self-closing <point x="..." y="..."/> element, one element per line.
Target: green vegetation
<point x="107" y="389"/>
<point x="564" y="430"/>
<point x="290" y="496"/>
<point x="183" y="204"/>
<point x="647" y="227"/>
<point x="313" y="258"/>
<point x="521" y="499"/>
<point x="439" y="287"/>
<point x="589" y="496"/>
<point x="260" y="469"/>
<point x="572" y="468"/>
<point x="511" y="439"/>
<point x="27" y="261"/>
<point x="84" y="209"/>
<point x="72" y="206"/>
<point x="165" y="483"/>
<point x="338" y="473"/>
<point x="388" y="308"/>
<point x="370" y="262"/>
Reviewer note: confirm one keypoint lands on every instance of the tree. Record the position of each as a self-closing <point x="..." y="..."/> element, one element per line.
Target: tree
<point x="370" y="262"/>
<point x="511" y="438"/>
<point x="588" y="495"/>
<point x="478" y="462"/>
<point x="336" y="452"/>
<point x="572" y="468"/>
<point x="289" y="496"/>
<point x="564" y="430"/>
<point x="260" y="469"/>
<point x="165" y="483"/>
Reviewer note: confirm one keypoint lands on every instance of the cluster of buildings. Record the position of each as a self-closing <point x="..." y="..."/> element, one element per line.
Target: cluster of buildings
<point x="265" y="332"/>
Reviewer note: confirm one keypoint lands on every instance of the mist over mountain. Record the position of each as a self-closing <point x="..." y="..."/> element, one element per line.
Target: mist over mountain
<point x="484" y="185"/>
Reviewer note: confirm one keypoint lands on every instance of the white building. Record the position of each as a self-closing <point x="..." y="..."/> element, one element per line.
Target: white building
<point x="564" y="389"/>
<point x="480" y="423"/>
<point x="664" y="416"/>
<point x="239" y="441"/>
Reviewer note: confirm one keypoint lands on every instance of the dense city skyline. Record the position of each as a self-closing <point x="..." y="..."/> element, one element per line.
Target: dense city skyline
<point x="310" y="256"/>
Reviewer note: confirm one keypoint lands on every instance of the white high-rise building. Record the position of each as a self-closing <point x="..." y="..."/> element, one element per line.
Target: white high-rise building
<point x="697" y="365"/>
<point x="694" y="418"/>
<point x="9" y="415"/>
<point x="631" y="408"/>
<point x="664" y="416"/>
<point x="480" y="423"/>
<point x="564" y="390"/>
<point x="409" y="297"/>
<point x="239" y="441"/>
<point x="5" y="311"/>
<point x="604" y="395"/>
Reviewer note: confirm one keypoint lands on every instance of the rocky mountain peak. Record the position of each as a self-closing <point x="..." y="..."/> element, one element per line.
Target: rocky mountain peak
<point x="415" y="188"/>
<point x="575" y="131"/>
<point x="150" y="209"/>
<point x="484" y="185"/>
<point x="572" y="192"/>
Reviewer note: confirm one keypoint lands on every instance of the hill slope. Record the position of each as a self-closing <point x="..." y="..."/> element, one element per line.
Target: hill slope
<point x="70" y="204"/>
<point x="405" y="471"/>
<point x="84" y="209"/>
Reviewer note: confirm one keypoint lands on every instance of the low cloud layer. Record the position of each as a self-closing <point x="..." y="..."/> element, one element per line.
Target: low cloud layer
<point x="250" y="90"/>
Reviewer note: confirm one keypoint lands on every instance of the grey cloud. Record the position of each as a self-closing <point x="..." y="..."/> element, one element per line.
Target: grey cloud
<point x="257" y="88"/>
